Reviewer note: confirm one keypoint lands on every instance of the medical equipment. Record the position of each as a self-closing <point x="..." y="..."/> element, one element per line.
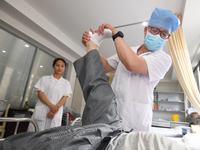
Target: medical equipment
<point x="175" y="117"/>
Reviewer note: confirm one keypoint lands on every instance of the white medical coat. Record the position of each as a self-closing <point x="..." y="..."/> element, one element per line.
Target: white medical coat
<point x="134" y="91"/>
<point x="54" y="91"/>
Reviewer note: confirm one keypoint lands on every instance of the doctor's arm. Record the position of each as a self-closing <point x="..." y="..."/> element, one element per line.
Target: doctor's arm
<point x="106" y="65"/>
<point x="44" y="99"/>
<point x="127" y="56"/>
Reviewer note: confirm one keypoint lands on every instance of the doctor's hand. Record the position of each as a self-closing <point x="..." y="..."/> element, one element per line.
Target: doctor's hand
<point x="107" y="26"/>
<point x="54" y="108"/>
<point x="86" y="36"/>
<point x="50" y="114"/>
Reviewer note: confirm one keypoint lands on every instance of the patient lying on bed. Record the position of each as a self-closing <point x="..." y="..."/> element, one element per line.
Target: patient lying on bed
<point x="101" y="121"/>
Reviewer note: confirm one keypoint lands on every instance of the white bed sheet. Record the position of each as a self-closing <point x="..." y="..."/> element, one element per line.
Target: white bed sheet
<point x="178" y="140"/>
<point x="189" y="140"/>
<point x="176" y="132"/>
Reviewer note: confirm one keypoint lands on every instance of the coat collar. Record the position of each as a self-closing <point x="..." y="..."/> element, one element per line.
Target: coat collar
<point x="53" y="79"/>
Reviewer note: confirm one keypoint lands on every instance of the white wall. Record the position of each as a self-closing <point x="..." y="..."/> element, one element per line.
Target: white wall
<point x="72" y="79"/>
<point x="78" y="103"/>
<point x="168" y="87"/>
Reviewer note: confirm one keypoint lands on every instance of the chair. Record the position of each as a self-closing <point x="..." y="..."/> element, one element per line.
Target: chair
<point x="71" y="118"/>
<point x="3" y="126"/>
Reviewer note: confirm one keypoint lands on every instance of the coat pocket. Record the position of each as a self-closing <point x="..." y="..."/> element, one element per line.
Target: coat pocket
<point x="56" y="121"/>
<point x="40" y="115"/>
<point x="141" y="116"/>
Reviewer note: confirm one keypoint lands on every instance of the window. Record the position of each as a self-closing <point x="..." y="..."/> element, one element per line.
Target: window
<point x="16" y="57"/>
<point x="21" y="66"/>
<point x="43" y="66"/>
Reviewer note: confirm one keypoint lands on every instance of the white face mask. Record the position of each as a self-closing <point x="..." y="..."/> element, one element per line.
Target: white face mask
<point x="153" y="42"/>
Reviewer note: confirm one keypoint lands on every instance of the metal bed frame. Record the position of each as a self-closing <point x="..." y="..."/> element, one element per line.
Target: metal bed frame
<point x="18" y="120"/>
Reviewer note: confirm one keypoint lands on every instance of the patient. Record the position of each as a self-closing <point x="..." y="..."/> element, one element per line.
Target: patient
<point x="101" y="121"/>
<point x="99" y="117"/>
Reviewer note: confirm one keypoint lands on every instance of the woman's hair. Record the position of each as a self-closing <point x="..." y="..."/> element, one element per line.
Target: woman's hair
<point x="57" y="59"/>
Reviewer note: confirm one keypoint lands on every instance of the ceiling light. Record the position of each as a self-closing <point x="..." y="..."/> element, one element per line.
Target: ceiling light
<point x="41" y="66"/>
<point x="27" y="45"/>
<point x="144" y="23"/>
<point x="3" y="51"/>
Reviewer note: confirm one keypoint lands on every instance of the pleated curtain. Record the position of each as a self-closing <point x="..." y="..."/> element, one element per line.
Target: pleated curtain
<point x="182" y="66"/>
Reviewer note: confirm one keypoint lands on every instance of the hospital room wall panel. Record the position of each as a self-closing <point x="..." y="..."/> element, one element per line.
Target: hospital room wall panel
<point x="82" y="106"/>
<point x="77" y="103"/>
<point x="168" y="87"/>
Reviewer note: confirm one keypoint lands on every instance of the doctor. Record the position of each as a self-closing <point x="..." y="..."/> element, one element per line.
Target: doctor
<point x="52" y="91"/>
<point x="137" y="69"/>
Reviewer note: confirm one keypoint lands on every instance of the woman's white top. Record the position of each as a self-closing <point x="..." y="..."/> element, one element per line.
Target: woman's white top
<point x="134" y="91"/>
<point x="54" y="91"/>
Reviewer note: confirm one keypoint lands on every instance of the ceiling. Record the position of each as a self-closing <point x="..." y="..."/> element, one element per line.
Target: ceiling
<point x="71" y="18"/>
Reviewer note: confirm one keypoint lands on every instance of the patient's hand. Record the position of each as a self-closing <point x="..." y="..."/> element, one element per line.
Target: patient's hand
<point x="50" y="114"/>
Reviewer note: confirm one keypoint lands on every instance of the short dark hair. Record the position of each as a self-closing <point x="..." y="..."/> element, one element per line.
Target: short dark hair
<point x="57" y="59"/>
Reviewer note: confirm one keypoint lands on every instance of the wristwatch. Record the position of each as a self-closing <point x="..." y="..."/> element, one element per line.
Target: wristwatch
<point x="118" y="34"/>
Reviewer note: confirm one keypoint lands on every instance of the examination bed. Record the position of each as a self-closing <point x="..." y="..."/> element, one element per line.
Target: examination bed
<point x="168" y="132"/>
<point x="162" y="136"/>
<point x="175" y="134"/>
<point x="76" y="122"/>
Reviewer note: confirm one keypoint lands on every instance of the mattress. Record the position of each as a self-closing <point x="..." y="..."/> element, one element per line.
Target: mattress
<point x="189" y="140"/>
<point x="175" y="132"/>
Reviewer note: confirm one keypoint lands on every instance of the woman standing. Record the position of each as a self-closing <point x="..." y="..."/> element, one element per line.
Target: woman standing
<point x="52" y="91"/>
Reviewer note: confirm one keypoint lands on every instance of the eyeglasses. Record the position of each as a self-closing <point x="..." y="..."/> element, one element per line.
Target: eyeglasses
<point x="155" y="31"/>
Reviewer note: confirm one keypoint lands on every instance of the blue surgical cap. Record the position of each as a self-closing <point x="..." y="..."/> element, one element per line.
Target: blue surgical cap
<point x="164" y="19"/>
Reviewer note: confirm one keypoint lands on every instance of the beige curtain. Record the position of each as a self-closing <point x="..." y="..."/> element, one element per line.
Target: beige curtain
<point x="182" y="65"/>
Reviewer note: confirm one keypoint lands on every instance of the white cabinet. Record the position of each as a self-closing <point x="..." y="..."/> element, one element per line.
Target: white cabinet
<point x="168" y="103"/>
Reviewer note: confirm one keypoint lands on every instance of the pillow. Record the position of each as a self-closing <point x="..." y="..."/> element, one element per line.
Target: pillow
<point x="192" y="140"/>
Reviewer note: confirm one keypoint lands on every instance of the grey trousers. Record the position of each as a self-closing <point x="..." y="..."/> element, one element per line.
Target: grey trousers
<point x="101" y="106"/>
<point x="100" y="115"/>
